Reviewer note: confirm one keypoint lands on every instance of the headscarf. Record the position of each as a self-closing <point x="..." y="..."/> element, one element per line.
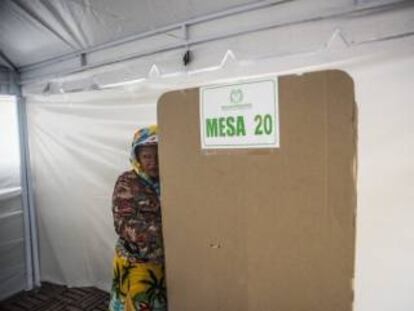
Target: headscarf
<point x="142" y="137"/>
<point x="146" y="136"/>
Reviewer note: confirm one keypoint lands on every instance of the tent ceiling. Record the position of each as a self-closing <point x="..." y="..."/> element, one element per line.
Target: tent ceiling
<point x="36" y="30"/>
<point x="48" y="39"/>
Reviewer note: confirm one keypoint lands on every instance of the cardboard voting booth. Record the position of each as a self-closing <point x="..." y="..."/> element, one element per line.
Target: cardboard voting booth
<point x="262" y="228"/>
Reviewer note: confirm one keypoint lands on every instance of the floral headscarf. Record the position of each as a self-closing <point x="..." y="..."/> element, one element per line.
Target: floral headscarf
<point x="142" y="137"/>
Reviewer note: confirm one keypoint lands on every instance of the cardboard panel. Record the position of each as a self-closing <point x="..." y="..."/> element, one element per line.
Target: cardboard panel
<point x="263" y="229"/>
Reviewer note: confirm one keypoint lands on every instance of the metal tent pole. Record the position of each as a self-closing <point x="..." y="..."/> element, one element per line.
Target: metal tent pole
<point x="30" y="226"/>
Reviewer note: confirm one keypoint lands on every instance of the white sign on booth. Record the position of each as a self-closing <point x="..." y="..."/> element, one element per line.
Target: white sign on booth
<point x="243" y="115"/>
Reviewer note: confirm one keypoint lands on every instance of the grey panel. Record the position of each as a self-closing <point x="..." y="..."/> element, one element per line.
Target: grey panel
<point x="13" y="281"/>
<point x="11" y="221"/>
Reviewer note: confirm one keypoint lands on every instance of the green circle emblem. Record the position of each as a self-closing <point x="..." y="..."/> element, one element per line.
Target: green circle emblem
<point x="236" y="96"/>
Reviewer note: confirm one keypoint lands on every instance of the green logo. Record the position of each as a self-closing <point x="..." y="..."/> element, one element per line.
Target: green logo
<point x="236" y="96"/>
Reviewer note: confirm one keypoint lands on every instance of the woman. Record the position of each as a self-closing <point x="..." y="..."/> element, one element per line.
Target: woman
<point x="138" y="265"/>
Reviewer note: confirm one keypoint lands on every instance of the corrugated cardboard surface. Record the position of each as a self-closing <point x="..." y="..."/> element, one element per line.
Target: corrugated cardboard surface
<point x="263" y="229"/>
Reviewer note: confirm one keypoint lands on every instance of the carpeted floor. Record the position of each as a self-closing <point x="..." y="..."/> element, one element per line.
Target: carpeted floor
<point x="51" y="297"/>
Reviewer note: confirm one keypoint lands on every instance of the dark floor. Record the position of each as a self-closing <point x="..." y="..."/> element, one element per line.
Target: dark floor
<point x="51" y="297"/>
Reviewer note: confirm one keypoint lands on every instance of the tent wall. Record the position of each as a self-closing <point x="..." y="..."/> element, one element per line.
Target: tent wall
<point x="385" y="232"/>
<point x="79" y="145"/>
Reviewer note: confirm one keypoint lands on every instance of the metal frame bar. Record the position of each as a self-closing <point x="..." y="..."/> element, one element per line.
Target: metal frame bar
<point x="30" y="226"/>
<point x="7" y="61"/>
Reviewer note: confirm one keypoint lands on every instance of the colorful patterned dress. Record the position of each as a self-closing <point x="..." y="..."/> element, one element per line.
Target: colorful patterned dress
<point x="138" y="265"/>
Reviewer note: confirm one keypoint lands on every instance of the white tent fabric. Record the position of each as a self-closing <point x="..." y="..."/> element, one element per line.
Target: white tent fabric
<point x="12" y="248"/>
<point x="385" y="233"/>
<point x="79" y="144"/>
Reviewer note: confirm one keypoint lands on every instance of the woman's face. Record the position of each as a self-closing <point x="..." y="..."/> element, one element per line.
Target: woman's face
<point x="147" y="157"/>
